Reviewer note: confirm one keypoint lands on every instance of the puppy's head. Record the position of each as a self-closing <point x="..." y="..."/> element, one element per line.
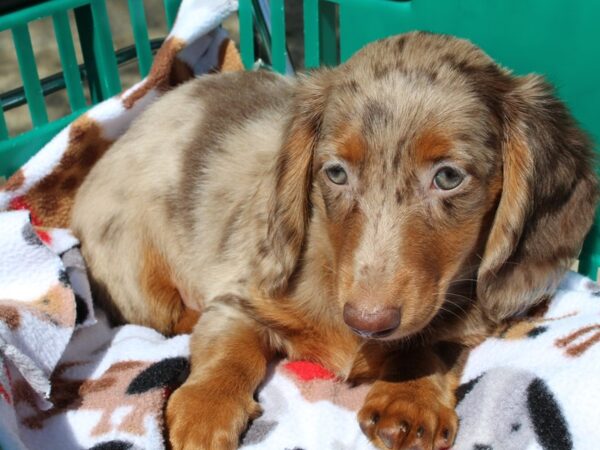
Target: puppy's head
<point x="420" y="164"/>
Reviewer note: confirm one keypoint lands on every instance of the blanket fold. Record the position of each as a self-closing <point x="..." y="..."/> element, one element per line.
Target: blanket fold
<point x="37" y="314"/>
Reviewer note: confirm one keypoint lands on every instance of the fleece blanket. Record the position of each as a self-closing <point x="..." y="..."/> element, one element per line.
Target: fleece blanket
<point x="70" y="381"/>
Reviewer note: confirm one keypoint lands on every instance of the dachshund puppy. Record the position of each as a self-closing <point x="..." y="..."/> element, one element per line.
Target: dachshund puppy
<point x="377" y="218"/>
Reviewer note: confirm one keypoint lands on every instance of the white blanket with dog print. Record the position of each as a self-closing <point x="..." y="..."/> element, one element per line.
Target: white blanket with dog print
<point x="69" y="381"/>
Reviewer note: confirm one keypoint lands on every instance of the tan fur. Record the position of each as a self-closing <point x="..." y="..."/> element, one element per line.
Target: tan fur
<point x="216" y="200"/>
<point x="212" y="408"/>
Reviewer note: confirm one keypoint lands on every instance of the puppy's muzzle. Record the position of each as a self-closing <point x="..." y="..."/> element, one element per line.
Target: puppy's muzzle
<point x="372" y="324"/>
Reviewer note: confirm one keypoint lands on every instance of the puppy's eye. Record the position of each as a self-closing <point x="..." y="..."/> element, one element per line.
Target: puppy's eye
<point x="337" y="174"/>
<point x="447" y="178"/>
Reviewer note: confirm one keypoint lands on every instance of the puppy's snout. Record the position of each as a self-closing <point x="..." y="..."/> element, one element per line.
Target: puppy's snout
<point x="373" y="324"/>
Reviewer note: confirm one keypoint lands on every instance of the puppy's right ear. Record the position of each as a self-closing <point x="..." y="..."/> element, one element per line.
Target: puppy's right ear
<point x="289" y="208"/>
<point x="549" y="195"/>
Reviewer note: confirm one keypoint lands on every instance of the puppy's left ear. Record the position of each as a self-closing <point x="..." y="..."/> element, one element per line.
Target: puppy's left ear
<point x="289" y="209"/>
<point x="547" y="205"/>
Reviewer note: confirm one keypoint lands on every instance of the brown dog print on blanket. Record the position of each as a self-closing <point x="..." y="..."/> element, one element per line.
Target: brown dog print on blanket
<point x="167" y="71"/>
<point x="105" y="394"/>
<point x="377" y="218"/>
<point x="15" y="182"/>
<point x="530" y="327"/>
<point x="56" y="306"/>
<point x="51" y="199"/>
<point x="574" y="344"/>
<point x="578" y="342"/>
<point x="142" y="386"/>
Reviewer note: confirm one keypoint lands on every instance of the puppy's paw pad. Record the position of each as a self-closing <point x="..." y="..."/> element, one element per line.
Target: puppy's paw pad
<point x="402" y="423"/>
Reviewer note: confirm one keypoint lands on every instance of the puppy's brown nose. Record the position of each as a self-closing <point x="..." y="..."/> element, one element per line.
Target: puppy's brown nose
<point x="373" y="324"/>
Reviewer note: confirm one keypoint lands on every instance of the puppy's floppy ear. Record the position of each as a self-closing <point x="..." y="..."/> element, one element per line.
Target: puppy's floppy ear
<point x="547" y="204"/>
<point x="289" y="209"/>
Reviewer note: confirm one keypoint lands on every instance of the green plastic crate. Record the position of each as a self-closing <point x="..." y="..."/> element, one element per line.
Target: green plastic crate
<point x="99" y="70"/>
<point x="558" y="39"/>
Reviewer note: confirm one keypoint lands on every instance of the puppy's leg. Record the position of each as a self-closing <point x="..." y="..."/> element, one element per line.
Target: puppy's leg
<point x="412" y="405"/>
<point x="229" y="357"/>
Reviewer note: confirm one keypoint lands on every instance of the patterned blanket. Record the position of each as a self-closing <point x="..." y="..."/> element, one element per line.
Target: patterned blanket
<point x="69" y="381"/>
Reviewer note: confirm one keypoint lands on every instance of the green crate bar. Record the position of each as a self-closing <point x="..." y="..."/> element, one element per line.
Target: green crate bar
<point x="64" y="40"/>
<point x="99" y="69"/>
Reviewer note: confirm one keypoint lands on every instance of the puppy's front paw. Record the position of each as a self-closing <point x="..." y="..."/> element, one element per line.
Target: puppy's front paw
<point x="202" y="418"/>
<point x="402" y="416"/>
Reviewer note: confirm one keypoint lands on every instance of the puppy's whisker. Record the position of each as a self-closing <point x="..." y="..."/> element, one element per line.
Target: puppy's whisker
<point x="471" y="304"/>
<point x="458" y="316"/>
<point x="454" y="294"/>
<point x="513" y="263"/>
<point x="455" y="306"/>
<point x="458" y="280"/>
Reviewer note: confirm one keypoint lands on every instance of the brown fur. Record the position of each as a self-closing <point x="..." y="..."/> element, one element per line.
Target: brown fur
<point x="225" y="390"/>
<point x="431" y="146"/>
<point x="217" y="200"/>
<point x="353" y="148"/>
<point x="187" y="321"/>
<point x="158" y="287"/>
